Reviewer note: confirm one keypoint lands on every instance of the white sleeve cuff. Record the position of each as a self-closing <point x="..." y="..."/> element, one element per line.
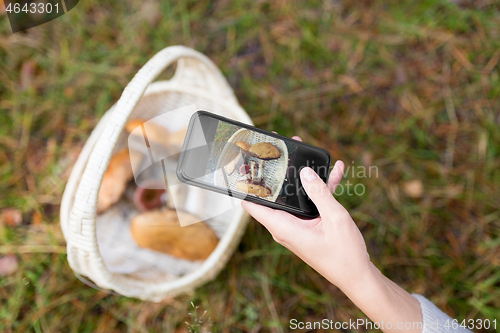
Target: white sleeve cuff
<point x="435" y="320"/>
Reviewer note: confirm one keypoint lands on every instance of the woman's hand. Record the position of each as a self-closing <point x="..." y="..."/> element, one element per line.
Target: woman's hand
<point x="331" y="243"/>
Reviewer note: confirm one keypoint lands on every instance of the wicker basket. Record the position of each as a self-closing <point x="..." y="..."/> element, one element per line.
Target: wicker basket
<point x="274" y="171"/>
<point x="98" y="246"/>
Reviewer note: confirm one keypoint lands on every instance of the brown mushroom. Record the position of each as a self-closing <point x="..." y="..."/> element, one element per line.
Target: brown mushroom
<point x="243" y="145"/>
<point x="245" y="148"/>
<point x="149" y="195"/>
<point x="115" y="179"/>
<point x="248" y="186"/>
<point x="161" y="231"/>
<point x="154" y="132"/>
<point x="244" y="169"/>
<point x="265" y="151"/>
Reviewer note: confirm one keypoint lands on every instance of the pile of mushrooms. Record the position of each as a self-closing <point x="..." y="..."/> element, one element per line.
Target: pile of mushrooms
<point x="253" y="172"/>
<point x="157" y="226"/>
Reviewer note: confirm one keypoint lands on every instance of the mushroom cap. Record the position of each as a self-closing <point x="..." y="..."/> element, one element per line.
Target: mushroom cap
<point x="265" y="151"/>
<point x="244" y="145"/>
<point x="160" y="230"/>
<point x="146" y="198"/>
<point x="115" y="179"/>
<point x="244" y="169"/>
<point x="259" y="190"/>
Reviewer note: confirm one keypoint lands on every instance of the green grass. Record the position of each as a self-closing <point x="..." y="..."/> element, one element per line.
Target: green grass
<point x="412" y="87"/>
<point x="222" y="135"/>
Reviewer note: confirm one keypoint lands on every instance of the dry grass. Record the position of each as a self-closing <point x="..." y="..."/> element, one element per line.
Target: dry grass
<point x="411" y="87"/>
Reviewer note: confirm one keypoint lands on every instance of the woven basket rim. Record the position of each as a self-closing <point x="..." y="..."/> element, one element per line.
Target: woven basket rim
<point x="85" y="259"/>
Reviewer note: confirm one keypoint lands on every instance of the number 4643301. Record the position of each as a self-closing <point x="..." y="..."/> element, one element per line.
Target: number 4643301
<point x="32" y="8"/>
<point x="471" y="324"/>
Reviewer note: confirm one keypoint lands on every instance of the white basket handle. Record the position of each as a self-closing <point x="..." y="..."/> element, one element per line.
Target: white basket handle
<point x="194" y="73"/>
<point x="195" y="70"/>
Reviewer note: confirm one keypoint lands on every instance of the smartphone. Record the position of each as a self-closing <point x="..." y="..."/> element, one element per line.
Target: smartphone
<point x="248" y="163"/>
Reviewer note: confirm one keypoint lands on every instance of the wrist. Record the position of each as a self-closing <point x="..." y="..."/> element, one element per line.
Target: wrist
<point x="384" y="301"/>
<point x="366" y="280"/>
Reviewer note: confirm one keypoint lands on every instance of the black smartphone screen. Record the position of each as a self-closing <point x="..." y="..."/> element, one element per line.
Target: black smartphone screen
<point x="249" y="163"/>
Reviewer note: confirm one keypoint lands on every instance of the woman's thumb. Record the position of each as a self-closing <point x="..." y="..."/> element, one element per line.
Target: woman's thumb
<point x="318" y="192"/>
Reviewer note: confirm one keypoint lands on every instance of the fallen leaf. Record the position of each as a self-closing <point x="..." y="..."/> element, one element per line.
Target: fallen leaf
<point x="150" y="11"/>
<point x="37" y="218"/>
<point x="27" y="73"/>
<point x="367" y="158"/>
<point x="69" y="92"/>
<point x="8" y="264"/>
<point x="11" y="217"/>
<point x="413" y="188"/>
<point x="351" y="83"/>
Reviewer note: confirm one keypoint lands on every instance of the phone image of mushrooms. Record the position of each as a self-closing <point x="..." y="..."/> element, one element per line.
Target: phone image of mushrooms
<point x="249" y="162"/>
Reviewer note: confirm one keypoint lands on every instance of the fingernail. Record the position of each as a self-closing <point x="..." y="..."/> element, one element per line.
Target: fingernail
<point x="309" y="174"/>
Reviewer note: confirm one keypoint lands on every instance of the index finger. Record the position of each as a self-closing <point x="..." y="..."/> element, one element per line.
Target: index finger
<point x="275" y="221"/>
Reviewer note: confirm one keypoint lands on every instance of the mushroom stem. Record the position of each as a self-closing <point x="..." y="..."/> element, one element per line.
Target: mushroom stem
<point x="253" y="171"/>
<point x="260" y="171"/>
